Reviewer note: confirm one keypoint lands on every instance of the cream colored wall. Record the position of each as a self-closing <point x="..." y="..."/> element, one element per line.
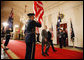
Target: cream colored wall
<point x="71" y="9"/>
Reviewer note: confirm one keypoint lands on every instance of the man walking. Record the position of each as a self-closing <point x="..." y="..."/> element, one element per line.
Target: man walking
<point x="45" y="41"/>
<point x="49" y="39"/>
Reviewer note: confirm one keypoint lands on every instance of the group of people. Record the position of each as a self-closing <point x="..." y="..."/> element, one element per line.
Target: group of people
<point x="47" y="40"/>
<point x="30" y="39"/>
<point x="62" y="35"/>
<point x="46" y="37"/>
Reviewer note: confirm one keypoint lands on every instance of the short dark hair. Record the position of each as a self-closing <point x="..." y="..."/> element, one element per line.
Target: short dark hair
<point x="31" y="14"/>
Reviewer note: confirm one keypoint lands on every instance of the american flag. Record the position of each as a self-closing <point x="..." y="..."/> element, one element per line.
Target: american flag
<point x="39" y="11"/>
<point x="58" y="26"/>
<point x="10" y="20"/>
<point x="58" y="22"/>
<point x="72" y="32"/>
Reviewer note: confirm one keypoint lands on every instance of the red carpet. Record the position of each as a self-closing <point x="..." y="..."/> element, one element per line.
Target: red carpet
<point x="19" y="48"/>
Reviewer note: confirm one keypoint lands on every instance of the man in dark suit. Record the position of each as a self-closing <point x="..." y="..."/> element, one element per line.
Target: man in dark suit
<point x="30" y="36"/>
<point x="60" y="34"/>
<point x="64" y="38"/>
<point x="45" y="41"/>
<point x="49" y="38"/>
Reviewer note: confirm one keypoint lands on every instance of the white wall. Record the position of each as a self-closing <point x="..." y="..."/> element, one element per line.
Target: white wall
<point x="71" y="9"/>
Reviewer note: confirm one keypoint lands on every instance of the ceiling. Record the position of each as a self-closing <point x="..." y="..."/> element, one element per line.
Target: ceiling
<point x="19" y="8"/>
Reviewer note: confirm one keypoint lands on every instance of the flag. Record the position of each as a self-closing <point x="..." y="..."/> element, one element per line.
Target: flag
<point x="72" y="32"/>
<point x="58" y="23"/>
<point x="59" y="19"/>
<point x="39" y="11"/>
<point x="10" y="20"/>
<point x="58" y="26"/>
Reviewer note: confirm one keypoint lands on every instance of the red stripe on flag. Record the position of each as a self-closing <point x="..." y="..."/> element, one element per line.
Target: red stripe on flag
<point x="38" y="9"/>
<point x="40" y="2"/>
<point x="40" y="17"/>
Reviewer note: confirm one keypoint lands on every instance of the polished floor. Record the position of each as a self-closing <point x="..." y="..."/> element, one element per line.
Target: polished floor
<point x="5" y="56"/>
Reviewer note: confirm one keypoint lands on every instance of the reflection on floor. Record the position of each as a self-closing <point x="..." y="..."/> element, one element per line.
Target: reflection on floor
<point x="4" y="55"/>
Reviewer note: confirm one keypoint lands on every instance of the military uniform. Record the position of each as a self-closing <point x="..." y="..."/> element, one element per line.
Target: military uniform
<point x="30" y="38"/>
<point x="7" y="37"/>
<point x="2" y="35"/>
<point x="45" y="36"/>
<point x="38" y="37"/>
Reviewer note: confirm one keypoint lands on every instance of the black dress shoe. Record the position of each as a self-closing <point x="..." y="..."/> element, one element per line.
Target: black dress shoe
<point x="39" y="41"/>
<point x="43" y="54"/>
<point x="54" y="50"/>
<point x="47" y="54"/>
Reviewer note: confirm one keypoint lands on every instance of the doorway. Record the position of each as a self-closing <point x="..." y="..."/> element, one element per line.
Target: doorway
<point x="64" y="26"/>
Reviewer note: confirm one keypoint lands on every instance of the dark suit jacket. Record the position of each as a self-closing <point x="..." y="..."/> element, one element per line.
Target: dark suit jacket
<point x="65" y="35"/>
<point x="49" y="36"/>
<point x="44" y="35"/>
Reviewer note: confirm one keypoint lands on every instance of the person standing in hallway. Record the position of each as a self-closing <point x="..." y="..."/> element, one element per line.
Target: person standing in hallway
<point x="64" y="38"/>
<point x="60" y="34"/>
<point x="49" y="38"/>
<point x="19" y="36"/>
<point x="30" y="36"/>
<point x="2" y="34"/>
<point x="45" y="41"/>
<point x="8" y="35"/>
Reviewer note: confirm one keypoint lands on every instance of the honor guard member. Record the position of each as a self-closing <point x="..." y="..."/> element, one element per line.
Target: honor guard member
<point x="8" y="35"/>
<point x="38" y="34"/>
<point x="30" y="36"/>
<point x="2" y="35"/>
